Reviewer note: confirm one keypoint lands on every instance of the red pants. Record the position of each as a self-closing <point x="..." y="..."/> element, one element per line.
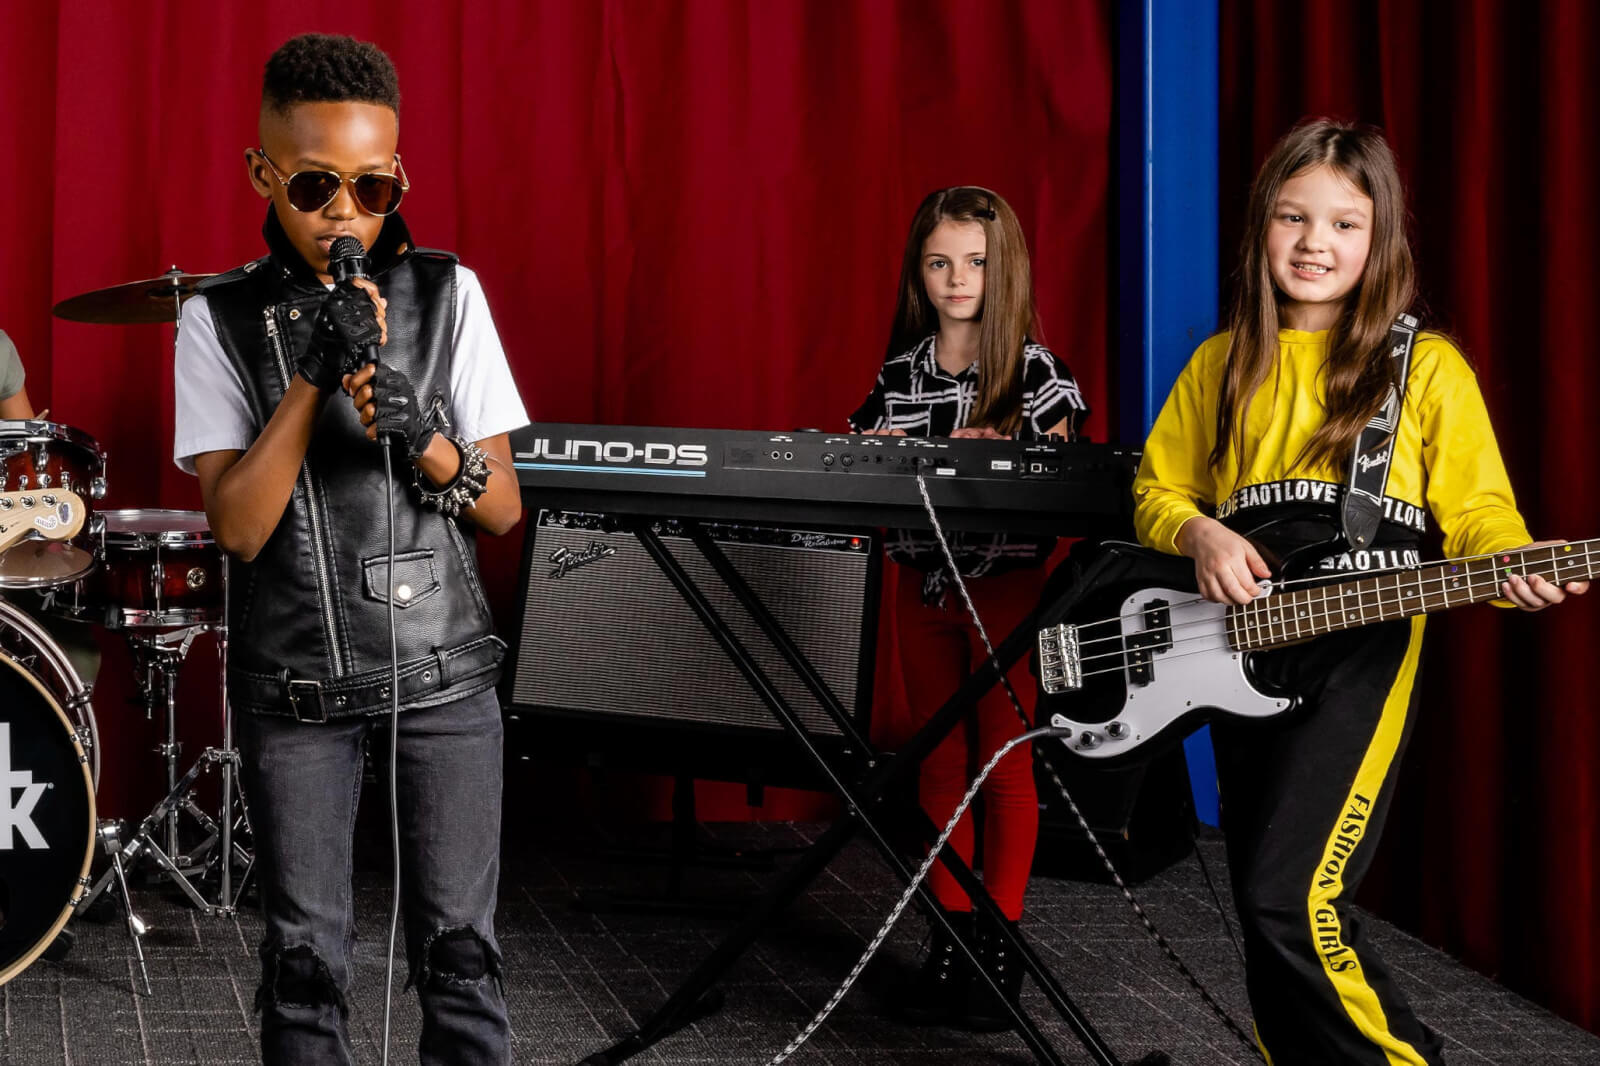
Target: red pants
<point x="938" y="648"/>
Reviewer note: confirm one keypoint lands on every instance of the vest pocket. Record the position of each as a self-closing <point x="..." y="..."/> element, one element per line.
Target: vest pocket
<point x="414" y="578"/>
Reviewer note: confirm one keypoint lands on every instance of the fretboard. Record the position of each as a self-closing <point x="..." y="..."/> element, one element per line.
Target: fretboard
<point x="1287" y="617"/>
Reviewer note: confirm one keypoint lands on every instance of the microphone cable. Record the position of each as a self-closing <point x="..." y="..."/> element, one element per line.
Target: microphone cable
<point x="911" y="889"/>
<point x="394" y="735"/>
<point x="347" y="260"/>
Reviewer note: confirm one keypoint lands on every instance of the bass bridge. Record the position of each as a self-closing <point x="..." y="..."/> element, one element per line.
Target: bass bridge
<point x="1060" y="665"/>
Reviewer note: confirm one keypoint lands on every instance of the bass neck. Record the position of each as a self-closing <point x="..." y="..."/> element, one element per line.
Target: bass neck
<point x="1282" y="618"/>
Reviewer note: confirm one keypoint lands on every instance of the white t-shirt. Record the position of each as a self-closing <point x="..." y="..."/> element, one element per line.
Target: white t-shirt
<point x="12" y="376"/>
<point x="213" y="415"/>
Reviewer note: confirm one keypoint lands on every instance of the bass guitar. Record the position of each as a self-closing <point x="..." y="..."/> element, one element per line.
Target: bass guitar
<point x="40" y="514"/>
<point x="1163" y="660"/>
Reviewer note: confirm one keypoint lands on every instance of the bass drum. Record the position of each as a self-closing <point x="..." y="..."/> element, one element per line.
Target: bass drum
<point x="46" y="797"/>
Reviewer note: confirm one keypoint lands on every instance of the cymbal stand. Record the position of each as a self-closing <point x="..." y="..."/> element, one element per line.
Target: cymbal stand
<point x="228" y="756"/>
<point x="221" y="832"/>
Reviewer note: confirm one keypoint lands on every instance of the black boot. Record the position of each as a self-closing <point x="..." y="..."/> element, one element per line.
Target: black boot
<point x="939" y="991"/>
<point x="984" y="1012"/>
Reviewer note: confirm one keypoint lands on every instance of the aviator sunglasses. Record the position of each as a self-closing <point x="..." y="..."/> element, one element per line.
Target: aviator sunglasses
<point x="312" y="190"/>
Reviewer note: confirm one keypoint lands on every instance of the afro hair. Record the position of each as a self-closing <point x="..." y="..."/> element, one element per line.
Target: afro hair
<point x="319" y="68"/>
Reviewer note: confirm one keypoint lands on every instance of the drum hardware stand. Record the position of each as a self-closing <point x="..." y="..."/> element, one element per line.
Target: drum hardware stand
<point x="144" y="841"/>
<point x="110" y="839"/>
<point x="164" y="652"/>
<point x="160" y="654"/>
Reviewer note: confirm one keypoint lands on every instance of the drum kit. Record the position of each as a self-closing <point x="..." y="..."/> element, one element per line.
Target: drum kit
<point x="157" y="577"/>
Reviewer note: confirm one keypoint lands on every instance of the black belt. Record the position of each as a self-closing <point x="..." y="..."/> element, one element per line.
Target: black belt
<point x="318" y="701"/>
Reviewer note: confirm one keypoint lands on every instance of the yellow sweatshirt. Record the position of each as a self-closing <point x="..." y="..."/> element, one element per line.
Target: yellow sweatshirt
<point x="1445" y="460"/>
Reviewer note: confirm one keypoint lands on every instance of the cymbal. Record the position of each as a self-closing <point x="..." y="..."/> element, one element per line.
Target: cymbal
<point x="150" y="300"/>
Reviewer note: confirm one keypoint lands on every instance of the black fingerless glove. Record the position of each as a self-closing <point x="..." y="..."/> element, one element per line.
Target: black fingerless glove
<point x="346" y="325"/>
<point x="398" y="416"/>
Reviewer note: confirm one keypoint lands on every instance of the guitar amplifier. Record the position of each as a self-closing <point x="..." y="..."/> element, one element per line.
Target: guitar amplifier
<point x="606" y="640"/>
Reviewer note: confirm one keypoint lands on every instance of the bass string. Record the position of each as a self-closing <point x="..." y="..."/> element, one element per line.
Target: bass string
<point x="1275" y="631"/>
<point x="1554" y="556"/>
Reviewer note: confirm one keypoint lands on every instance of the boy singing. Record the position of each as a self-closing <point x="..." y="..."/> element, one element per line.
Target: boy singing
<point x="288" y="448"/>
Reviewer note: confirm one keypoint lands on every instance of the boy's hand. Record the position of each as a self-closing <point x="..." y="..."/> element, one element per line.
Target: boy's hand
<point x="387" y="405"/>
<point x="352" y="317"/>
<point x="977" y="433"/>
<point x="1226" y="565"/>
<point x="1534" y="593"/>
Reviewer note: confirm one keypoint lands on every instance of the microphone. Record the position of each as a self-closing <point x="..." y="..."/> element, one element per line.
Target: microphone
<point x="347" y="259"/>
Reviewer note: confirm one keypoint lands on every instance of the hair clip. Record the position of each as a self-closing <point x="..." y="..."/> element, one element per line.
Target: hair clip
<point x="985" y="212"/>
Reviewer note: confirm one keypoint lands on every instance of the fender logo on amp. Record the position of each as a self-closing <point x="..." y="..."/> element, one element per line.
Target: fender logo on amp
<point x="564" y="560"/>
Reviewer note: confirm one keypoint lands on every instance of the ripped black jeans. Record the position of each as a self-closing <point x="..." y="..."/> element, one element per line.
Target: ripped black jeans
<point x="303" y="782"/>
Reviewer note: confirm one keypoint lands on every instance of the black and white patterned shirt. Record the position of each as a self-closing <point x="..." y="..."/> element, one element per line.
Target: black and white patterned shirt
<point x="915" y="395"/>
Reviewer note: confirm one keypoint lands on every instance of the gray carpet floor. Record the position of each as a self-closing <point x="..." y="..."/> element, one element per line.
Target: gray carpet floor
<point x="578" y="981"/>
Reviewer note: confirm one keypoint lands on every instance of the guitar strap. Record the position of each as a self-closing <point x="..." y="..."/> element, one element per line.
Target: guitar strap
<point x="1369" y="465"/>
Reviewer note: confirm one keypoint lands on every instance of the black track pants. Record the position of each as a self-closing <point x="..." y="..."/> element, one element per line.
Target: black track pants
<point x="1303" y="803"/>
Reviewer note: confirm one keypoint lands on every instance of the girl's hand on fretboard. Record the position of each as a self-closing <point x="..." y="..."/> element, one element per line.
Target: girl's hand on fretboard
<point x="1534" y="593"/>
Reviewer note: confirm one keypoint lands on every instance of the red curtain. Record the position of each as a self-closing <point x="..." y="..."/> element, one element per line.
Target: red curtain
<point x="684" y="213"/>
<point x="1492" y="109"/>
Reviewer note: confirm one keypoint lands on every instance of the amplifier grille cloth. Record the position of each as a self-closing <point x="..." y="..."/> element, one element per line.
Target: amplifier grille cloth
<point x="614" y="638"/>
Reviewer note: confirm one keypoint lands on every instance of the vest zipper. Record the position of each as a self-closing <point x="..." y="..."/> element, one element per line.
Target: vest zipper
<point x="320" y="547"/>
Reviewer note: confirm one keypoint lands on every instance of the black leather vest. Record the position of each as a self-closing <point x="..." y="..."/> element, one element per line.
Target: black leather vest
<point x="308" y="617"/>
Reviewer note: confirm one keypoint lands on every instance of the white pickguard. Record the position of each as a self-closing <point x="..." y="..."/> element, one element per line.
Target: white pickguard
<point x="1198" y="670"/>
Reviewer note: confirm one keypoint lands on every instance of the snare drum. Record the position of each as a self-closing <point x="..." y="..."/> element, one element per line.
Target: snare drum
<point x="158" y="569"/>
<point x="39" y="455"/>
<point x="47" y="835"/>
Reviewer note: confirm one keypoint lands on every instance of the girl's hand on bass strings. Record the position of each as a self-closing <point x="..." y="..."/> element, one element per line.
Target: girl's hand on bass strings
<point x="1227" y="566"/>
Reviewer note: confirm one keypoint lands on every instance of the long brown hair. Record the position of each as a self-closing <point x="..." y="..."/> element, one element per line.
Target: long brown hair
<point x="1007" y="319"/>
<point x="1358" y="371"/>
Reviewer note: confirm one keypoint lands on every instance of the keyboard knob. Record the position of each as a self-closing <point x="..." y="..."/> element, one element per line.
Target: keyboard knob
<point x="827" y="458"/>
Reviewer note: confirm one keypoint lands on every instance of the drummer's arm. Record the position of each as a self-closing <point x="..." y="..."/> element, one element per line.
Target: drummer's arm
<point x="245" y="493"/>
<point x="16" y="405"/>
